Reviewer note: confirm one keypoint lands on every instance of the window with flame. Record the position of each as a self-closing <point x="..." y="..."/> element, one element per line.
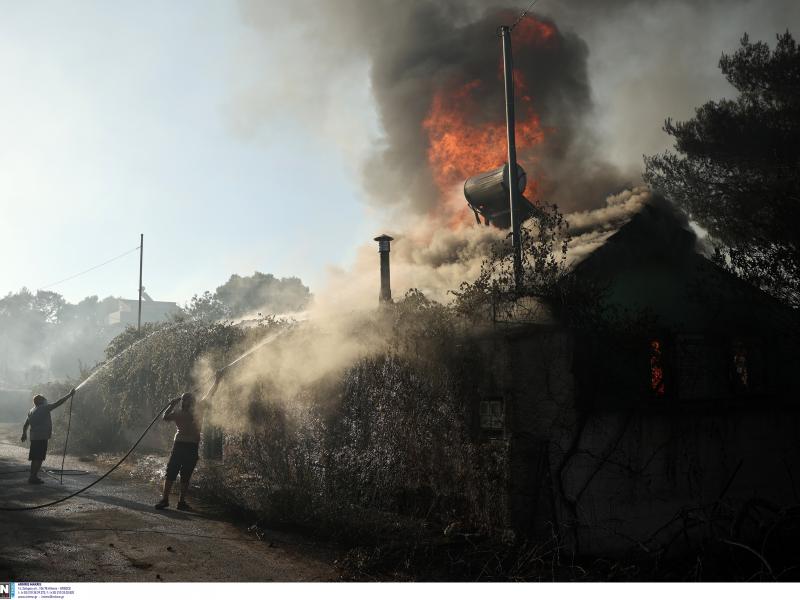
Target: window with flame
<point x="492" y="414"/>
<point x="657" y="386"/>
<point x="739" y="368"/>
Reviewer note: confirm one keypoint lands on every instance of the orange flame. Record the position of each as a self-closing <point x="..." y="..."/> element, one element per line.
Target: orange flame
<point x="460" y="146"/>
<point x="531" y="32"/>
<point x="656" y="369"/>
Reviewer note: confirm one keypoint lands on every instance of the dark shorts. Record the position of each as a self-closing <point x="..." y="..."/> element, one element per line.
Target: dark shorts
<point x="182" y="460"/>
<point x="38" y="450"/>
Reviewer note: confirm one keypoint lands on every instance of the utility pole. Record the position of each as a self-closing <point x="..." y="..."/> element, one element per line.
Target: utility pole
<point x="141" y="262"/>
<point x="513" y="182"/>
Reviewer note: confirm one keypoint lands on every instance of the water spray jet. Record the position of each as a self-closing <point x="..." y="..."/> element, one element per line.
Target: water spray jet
<point x="123" y="352"/>
<point x="216" y="379"/>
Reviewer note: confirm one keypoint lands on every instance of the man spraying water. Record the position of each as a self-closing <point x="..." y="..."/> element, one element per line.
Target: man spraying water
<point x="183" y="459"/>
<point x="41" y="430"/>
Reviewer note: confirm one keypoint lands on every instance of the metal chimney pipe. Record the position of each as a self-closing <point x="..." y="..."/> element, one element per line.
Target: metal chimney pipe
<point x="383" y="250"/>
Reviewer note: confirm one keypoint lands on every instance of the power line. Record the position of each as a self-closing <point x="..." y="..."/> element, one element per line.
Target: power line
<point x="110" y="260"/>
<point x="523" y="14"/>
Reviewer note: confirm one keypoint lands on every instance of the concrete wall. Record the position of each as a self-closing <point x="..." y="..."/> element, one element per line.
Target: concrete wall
<point x="614" y="479"/>
<point x="530" y="370"/>
<point x="638" y="479"/>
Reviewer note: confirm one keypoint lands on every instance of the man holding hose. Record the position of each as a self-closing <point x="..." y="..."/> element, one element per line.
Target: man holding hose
<point x="41" y="430"/>
<point x="189" y="422"/>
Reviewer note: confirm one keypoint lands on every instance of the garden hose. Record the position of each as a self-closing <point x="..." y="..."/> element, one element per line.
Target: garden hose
<point x="66" y="439"/>
<point x="209" y="394"/>
<point x="103" y="476"/>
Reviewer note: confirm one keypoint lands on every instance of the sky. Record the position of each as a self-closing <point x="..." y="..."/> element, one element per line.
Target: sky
<point x="194" y="123"/>
<point x="120" y="119"/>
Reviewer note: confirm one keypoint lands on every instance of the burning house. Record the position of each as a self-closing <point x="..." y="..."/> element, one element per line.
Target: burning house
<point x="675" y="420"/>
<point x="674" y="423"/>
<point x="675" y="416"/>
<point x="628" y="436"/>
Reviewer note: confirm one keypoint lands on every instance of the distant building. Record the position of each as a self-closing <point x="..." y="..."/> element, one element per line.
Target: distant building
<point x="152" y="311"/>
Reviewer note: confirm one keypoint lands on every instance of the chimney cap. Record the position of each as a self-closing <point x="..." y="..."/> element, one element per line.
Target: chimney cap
<point x="384" y="238"/>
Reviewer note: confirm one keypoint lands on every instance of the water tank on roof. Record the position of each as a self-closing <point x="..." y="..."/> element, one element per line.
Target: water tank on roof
<point x="487" y="195"/>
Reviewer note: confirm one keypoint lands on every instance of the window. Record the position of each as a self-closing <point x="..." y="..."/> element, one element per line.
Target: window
<point x="740" y="373"/>
<point x="657" y="387"/>
<point x="492" y="415"/>
<point x="700" y="367"/>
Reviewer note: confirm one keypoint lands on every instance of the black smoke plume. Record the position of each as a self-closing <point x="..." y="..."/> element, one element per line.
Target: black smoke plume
<point x="418" y="47"/>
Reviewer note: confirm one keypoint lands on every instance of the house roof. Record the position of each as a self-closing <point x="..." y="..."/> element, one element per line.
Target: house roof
<point x="651" y="259"/>
<point x="637" y="213"/>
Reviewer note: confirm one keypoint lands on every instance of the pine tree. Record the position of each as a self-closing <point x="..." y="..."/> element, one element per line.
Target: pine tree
<point x="735" y="167"/>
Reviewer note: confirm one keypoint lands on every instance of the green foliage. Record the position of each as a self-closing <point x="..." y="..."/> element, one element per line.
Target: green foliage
<point x="241" y="296"/>
<point x="144" y="369"/>
<point x="45" y="336"/>
<point x="208" y="307"/>
<point x="544" y="277"/>
<point x="392" y="433"/>
<point x="421" y="328"/>
<point x="734" y="169"/>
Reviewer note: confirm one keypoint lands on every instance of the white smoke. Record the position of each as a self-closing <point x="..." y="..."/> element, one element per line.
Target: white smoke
<point x="590" y="229"/>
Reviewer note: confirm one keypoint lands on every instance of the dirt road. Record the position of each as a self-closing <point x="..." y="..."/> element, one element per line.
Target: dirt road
<point x="112" y="533"/>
